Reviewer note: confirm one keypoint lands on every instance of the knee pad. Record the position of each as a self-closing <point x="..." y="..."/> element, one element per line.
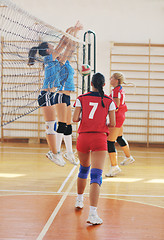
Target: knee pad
<point x="61" y="127"/>
<point x="83" y="172"/>
<point x="68" y="130"/>
<point x="111" y="146"/>
<point x="96" y="176"/>
<point x="51" y="127"/>
<point x="121" y="141"/>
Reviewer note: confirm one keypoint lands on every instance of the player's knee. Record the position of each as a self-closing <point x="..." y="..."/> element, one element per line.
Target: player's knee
<point x="68" y="130"/>
<point x="96" y="176"/>
<point x="83" y="172"/>
<point x="61" y="127"/>
<point x="111" y="146"/>
<point x="51" y="127"/>
<point x="121" y="141"/>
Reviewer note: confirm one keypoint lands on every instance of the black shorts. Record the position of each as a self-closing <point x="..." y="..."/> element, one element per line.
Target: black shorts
<point x="46" y="98"/>
<point x="62" y="98"/>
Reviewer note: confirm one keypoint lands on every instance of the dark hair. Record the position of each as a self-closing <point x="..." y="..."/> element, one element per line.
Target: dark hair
<point x="42" y="48"/>
<point x="98" y="81"/>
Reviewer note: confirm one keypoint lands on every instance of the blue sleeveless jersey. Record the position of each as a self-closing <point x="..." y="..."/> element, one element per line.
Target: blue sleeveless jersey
<point x="66" y="77"/>
<point x="52" y="69"/>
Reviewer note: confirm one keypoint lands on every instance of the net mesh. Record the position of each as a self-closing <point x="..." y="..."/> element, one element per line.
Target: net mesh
<point x="21" y="84"/>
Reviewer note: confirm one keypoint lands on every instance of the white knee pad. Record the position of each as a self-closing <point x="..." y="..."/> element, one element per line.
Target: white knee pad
<point x="51" y="127"/>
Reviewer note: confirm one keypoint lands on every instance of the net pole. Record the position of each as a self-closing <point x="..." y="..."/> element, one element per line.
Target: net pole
<point x="2" y="43"/>
<point x="89" y="32"/>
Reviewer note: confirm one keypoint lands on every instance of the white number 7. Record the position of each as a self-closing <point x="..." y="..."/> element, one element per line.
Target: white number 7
<point x="95" y="105"/>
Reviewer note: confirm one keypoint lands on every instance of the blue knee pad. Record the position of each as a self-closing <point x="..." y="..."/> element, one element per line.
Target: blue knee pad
<point x="83" y="172"/>
<point x="121" y="141"/>
<point x="96" y="176"/>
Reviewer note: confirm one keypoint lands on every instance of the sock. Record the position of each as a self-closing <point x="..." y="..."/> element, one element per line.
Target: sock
<point x="59" y="137"/>
<point x="80" y="197"/>
<point x="68" y="143"/>
<point x="92" y="210"/>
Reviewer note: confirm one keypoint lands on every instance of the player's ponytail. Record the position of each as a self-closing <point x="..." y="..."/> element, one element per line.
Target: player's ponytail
<point x="42" y="49"/>
<point x="98" y="81"/>
<point x="121" y="80"/>
<point x="31" y="55"/>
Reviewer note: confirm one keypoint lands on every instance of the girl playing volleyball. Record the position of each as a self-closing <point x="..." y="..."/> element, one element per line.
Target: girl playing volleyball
<point x="116" y="133"/>
<point x="63" y="105"/>
<point x="91" y="109"/>
<point x="53" y="60"/>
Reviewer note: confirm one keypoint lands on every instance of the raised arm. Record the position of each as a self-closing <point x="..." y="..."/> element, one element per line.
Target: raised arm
<point x="71" y="45"/>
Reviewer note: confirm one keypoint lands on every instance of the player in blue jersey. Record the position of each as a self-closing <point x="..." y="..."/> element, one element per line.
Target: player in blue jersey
<point x="53" y="59"/>
<point x="63" y="105"/>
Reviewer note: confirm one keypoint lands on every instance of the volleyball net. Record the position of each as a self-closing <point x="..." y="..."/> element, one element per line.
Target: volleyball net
<point x="20" y="83"/>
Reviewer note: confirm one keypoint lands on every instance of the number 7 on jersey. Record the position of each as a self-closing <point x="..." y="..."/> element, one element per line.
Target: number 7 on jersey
<point x="93" y="110"/>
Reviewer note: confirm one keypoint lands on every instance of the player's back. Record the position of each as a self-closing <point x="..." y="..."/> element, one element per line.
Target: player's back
<point x="93" y="113"/>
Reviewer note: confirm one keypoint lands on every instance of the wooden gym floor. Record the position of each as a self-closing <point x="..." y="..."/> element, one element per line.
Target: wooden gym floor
<point x="37" y="197"/>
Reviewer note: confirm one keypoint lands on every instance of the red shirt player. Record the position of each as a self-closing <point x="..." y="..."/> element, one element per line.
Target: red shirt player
<point x="116" y="133"/>
<point x="92" y="109"/>
<point x="119" y="93"/>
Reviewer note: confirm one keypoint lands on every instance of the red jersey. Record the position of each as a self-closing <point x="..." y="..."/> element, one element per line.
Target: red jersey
<point x="93" y="113"/>
<point x="118" y="92"/>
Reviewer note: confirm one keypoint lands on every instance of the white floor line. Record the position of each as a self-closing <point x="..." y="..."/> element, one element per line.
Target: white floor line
<point x="133" y="151"/>
<point x="24" y="147"/>
<point x="74" y="193"/>
<point x="27" y="191"/>
<point x="56" y="210"/>
<point x="32" y="153"/>
<point x="66" y="180"/>
<point x="132" y="195"/>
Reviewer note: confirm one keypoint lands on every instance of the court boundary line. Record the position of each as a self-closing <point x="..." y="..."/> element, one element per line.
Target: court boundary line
<point x="120" y="156"/>
<point x="56" y="210"/>
<point x="74" y="193"/>
<point x="66" y="180"/>
<point x="46" y="148"/>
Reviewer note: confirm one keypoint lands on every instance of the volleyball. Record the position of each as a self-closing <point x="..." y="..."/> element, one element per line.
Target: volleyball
<point x="85" y="69"/>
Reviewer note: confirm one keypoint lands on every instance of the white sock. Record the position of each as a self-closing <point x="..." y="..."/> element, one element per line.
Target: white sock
<point x="59" y="137"/>
<point x="68" y="143"/>
<point x="92" y="210"/>
<point x="80" y="197"/>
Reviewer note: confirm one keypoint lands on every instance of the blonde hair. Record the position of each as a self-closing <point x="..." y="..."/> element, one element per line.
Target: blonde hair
<point x="121" y="80"/>
<point x="120" y="77"/>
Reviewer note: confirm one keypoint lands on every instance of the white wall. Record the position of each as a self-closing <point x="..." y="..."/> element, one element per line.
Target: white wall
<point x="111" y="20"/>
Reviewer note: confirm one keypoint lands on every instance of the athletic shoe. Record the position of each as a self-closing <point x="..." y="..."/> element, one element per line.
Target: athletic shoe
<point x="127" y="161"/>
<point x="79" y="204"/>
<point x="94" y="219"/>
<point x="56" y="158"/>
<point x="71" y="158"/>
<point x="113" y="171"/>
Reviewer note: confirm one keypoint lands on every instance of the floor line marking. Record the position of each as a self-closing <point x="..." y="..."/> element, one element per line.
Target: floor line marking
<point x="137" y="151"/>
<point x="66" y="180"/>
<point x="73" y="193"/>
<point x="56" y="210"/>
<point x="36" y="153"/>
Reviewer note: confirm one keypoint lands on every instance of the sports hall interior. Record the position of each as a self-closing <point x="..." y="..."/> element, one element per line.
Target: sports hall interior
<point x="37" y="197"/>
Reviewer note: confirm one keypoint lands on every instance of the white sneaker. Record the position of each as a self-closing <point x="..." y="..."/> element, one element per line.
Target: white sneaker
<point x="94" y="219"/>
<point x="56" y="158"/>
<point x="127" y="161"/>
<point x="113" y="171"/>
<point x="71" y="158"/>
<point x="79" y="204"/>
